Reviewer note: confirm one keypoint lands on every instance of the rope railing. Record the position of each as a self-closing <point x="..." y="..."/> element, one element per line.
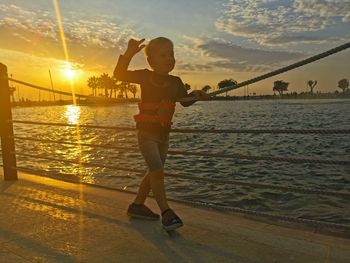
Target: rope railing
<point x="205" y="154"/>
<point x="47" y="89"/>
<point x="229" y="131"/>
<point x="141" y="172"/>
<point x="76" y="125"/>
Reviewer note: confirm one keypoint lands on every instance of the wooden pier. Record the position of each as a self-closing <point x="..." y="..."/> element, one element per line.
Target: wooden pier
<point x="48" y="220"/>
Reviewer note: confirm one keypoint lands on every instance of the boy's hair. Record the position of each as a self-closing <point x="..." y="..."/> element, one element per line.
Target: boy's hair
<point x="153" y="45"/>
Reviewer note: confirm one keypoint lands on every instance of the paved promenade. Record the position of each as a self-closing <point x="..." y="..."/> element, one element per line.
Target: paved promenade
<point x="46" y="220"/>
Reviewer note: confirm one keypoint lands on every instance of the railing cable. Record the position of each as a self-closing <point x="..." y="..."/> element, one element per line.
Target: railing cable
<point x="253" y="131"/>
<point x="76" y="125"/>
<point x="196" y="178"/>
<point x="47" y="89"/>
<point x="206" y="154"/>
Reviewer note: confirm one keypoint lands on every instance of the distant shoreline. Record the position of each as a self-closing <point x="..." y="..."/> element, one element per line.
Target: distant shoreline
<point x="109" y="102"/>
<point x="99" y="102"/>
<point x="286" y="96"/>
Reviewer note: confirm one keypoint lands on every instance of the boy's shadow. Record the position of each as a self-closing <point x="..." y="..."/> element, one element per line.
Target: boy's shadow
<point x="176" y="248"/>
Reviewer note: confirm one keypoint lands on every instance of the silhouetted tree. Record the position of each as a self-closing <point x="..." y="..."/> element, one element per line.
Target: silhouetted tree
<point x="280" y="86"/>
<point x="343" y="84"/>
<point x="106" y="83"/>
<point x="206" y="88"/>
<point x="133" y="89"/>
<point x="123" y="89"/>
<point x="312" y="84"/>
<point x="113" y="88"/>
<point x="93" y="83"/>
<point x="226" y="83"/>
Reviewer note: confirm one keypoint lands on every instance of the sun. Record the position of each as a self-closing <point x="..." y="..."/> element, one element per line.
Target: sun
<point x="69" y="72"/>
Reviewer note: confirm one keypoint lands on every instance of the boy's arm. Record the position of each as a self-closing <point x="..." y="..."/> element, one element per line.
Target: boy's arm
<point x="182" y="93"/>
<point x="188" y="103"/>
<point x="121" y="71"/>
<point x="196" y="95"/>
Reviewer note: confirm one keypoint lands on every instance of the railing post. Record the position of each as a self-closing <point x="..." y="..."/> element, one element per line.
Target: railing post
<point x="6" y="128"/>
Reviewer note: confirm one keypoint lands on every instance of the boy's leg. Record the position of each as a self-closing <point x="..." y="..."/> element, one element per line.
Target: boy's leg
<point x="155" y="181"/>
<point x="158" y="189"/>
<point x="154" y="152"/>
<point x="144" y="189"/>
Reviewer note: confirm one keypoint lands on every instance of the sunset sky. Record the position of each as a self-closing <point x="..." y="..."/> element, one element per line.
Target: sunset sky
<point x="214" y="39"/>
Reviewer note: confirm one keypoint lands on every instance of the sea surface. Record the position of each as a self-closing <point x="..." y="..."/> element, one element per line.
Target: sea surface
<point x="262" y="114"/>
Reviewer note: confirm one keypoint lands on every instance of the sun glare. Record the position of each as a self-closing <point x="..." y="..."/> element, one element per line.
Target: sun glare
<point x="69" y="72"/>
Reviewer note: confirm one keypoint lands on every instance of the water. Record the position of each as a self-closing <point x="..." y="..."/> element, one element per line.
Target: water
<point x="280" y="114"/>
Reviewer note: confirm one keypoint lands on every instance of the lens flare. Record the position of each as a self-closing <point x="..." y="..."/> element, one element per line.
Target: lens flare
<point x="73" y="114"/>
<point x="69" y="72"/>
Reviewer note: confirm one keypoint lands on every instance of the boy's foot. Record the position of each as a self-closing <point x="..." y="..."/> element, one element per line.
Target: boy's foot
<point x="142" y="212"/>
<point x="170" y="220"/>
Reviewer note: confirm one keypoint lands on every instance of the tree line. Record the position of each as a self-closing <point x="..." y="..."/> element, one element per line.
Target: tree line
<point x="110" y="87"/>
<point x="281" y="86"/>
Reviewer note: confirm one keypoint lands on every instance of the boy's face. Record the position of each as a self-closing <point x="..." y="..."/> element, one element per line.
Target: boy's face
<point x="162" y="60"/>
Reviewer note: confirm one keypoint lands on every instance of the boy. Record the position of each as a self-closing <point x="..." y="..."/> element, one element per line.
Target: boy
<point x="159" y="92"/>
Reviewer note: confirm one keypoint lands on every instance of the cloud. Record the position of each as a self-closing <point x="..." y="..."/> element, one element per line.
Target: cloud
<point x="217" y="53"/>
<point x="97" y="31"/>
<point x="263" y="21"/>
<point x="282" y="39"/>
<point x="195" y="67"/>
<point x="324" y="8"/>
<point x="40" y="21"/>
<point x="101" y="31"/>
<point x="89" y="38"/>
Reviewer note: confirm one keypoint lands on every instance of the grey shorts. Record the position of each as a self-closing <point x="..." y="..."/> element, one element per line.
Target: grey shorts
<point x="154" y="148"/>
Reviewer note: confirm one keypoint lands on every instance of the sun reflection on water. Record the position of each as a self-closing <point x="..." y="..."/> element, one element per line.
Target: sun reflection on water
<point x="72" y="114"/>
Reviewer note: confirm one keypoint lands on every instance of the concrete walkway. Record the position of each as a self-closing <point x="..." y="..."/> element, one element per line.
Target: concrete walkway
<point x="46" y="220"/>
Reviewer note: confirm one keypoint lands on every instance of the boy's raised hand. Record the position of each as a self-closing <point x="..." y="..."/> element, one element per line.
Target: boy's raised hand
<point x="134" y="46"/>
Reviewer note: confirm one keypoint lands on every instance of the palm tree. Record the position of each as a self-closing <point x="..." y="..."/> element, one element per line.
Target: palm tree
<point x="123" y="89"/>
<point x="312" y="84"/>
<point x="226" y="83"/>
<point x="343" y="84"/>
<point x="127" y="85"/>
<point x="114" y="88"/>
<point x="106" y="83"/>
<point x="93" y="83"/>
<point x="280" y="86"/>
<point x="133" y="89"/>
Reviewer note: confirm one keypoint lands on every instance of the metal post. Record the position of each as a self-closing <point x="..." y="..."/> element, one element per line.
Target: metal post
<point x="6" y="128"/>
<point x="54" y="99"/>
